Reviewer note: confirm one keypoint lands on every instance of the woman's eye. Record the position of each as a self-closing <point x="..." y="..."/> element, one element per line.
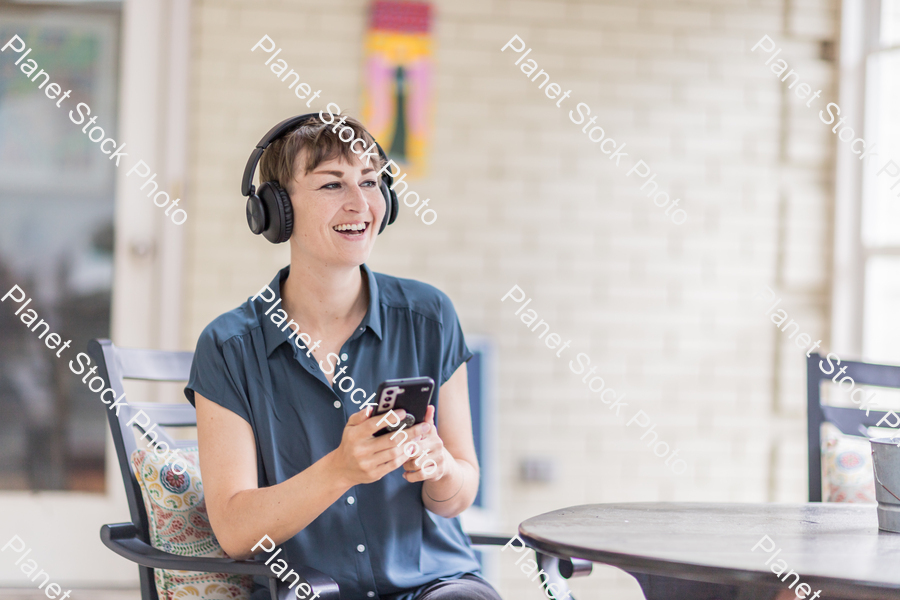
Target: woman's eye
<point x="328" y="186"/>
<point x="370" y="183"/>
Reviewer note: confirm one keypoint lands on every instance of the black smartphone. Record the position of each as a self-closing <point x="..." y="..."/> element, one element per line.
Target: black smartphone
<point x="412" y="395"/>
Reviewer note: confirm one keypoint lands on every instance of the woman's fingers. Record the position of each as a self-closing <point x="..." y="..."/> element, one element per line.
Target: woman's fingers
<point x="374" y="456"/>
<point x="418" y="472"/>
<point x="412" y="472"/>
<point x="379" y="422"/>
<point x="405" y="436"/>
<point x="359" y="417"/>
<point x="386" y="461"/>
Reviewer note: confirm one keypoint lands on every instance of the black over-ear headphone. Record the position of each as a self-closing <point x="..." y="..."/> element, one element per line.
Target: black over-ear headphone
<point x="269" y="210"/>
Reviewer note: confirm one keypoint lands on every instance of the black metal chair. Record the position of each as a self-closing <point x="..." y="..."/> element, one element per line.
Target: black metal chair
<point x="850" y="421"/>
<point x="132" y="540"/>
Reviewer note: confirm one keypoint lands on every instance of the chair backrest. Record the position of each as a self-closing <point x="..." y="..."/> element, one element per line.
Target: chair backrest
<point x="115" y="365"/>
<point x="850" y="421"/>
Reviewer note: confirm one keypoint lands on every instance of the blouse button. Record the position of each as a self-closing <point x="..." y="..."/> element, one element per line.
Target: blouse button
<point x="337" y="403"/>
<point x="344" y="356"/>
<point x="370" y="594"/>
<point x="360" y="548"/>
<point x="350" y="499"/>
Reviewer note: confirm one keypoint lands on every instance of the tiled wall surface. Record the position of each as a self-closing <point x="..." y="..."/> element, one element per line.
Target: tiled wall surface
<point x="664" y="311"/>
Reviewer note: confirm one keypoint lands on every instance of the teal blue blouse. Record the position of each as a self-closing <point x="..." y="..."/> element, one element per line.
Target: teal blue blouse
<point x="378" y="539"/>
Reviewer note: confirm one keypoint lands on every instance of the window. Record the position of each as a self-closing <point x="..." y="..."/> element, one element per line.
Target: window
<point x="56" y="243"/>
<point x="880" y="216"/>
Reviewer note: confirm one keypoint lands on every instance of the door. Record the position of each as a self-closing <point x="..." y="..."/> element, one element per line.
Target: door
<point x="71" y="231"/>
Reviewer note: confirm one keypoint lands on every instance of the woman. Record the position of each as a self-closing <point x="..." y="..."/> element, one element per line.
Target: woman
<point x="284" y="451"/>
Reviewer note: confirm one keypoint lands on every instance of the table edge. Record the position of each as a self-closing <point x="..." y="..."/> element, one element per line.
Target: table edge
<point x="631" y="563"/>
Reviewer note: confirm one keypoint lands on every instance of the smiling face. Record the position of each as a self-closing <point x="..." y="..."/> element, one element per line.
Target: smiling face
<point x="338" y="208"/>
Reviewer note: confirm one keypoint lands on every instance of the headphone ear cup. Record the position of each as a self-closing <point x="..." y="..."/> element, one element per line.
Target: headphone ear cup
<point x="395" y="206"/>
<point x="256" y="214"/>
<point x="287" y="214"/>
<point x="279" y="212"/>
<point x="390" y="206"/>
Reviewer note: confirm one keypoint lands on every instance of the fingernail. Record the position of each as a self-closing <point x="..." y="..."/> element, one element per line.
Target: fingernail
<point x="426" y="428"/>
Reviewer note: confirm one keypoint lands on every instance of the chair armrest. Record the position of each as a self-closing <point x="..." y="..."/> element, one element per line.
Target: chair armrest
<point x="124" y="540"/>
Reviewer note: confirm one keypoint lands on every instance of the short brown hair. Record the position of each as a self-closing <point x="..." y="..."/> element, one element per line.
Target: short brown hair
<point x="322" y="144"/>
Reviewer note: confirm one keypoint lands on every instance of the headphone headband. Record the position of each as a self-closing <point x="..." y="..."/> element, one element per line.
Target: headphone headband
<point x="276" y="132"/>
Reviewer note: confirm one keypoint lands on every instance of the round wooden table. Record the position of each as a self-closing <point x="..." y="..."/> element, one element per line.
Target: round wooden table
<point x="704" y="551"/>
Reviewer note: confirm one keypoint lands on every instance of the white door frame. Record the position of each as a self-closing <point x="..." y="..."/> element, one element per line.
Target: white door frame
<point x="63" y="528"/>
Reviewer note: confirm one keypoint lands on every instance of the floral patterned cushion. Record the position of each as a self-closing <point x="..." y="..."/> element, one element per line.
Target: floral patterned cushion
<point x="847" y="474"/>
<point x="179" y="524"/>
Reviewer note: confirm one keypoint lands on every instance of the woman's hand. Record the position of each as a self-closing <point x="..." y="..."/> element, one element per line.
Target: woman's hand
<point x="364" y="458"/>
<point x="431" y="448"/>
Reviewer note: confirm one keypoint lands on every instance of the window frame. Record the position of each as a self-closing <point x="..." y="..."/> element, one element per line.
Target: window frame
<point x="860" y="41"/>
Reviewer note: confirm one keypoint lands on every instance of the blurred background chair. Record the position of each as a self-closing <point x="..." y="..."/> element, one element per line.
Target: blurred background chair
<point x="133" y="540"/>
<point x="851" y="456"/>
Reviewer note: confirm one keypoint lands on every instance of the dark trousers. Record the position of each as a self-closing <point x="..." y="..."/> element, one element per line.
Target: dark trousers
<point x="467" y="587"/>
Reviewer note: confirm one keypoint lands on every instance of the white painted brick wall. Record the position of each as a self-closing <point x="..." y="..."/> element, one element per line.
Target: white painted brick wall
<point x="524" y="198"/>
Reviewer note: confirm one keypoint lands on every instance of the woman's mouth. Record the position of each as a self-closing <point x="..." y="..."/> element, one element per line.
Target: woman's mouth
<point x="352" y="229"/>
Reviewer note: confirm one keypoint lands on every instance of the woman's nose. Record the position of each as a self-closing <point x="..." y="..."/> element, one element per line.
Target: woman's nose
<point x="357" y="200"/>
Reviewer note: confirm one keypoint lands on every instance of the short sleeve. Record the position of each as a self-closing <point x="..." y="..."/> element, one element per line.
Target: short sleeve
<point x="217" y="373"/>
<point x="453" y="342"/>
